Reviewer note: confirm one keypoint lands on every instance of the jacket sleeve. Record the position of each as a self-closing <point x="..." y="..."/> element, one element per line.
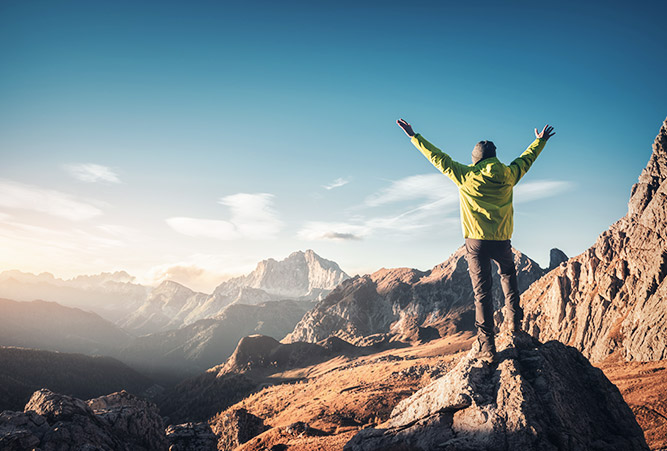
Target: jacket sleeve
<point x="520" y="166"/>
<point x="452" y="169"/>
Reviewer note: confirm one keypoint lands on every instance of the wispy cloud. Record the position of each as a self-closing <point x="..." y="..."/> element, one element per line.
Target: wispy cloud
<point x="91" y="172"/>
<point x="433" y="202"/>
<point x="56" y="203"/>
<point x="252" y="217"/>
<point x="423" y="186"/>
<point x="539" y="189"/>
<point x="336" y="183"/>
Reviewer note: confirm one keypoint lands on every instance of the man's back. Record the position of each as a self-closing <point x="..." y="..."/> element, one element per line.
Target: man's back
<point x="485" y="188"/>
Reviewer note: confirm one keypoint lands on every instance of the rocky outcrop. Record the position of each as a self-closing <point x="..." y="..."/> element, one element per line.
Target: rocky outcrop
<point x="556" y="257"/>
<point x="191" y="437"/>
<point x="237" y="427"/>
<point x="115" y="422"/>
<point x="537" y="396"/>
<point x="611" y="297"/>
<point x="398" y="302"/>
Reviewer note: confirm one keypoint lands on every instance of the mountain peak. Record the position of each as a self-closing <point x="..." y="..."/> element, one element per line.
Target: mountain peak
<point x="652" y="176"/>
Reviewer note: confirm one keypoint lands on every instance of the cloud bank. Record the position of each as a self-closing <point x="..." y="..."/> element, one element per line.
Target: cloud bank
<point x="252" y="217"/>
<point x="91" y="173"/>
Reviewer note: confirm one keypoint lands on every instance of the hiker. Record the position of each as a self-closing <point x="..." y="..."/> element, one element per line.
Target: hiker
<point x="485" y="192"/>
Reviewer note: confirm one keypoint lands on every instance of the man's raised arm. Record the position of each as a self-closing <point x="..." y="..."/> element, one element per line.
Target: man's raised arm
<point x="520" y="166"/>
<point x="452" y="169"/>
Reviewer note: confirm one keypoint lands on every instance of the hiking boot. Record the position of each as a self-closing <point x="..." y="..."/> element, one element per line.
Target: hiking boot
<point x="486" y="349"/>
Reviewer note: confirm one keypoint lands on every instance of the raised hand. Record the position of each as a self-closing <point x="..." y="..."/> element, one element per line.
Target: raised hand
<point x="407" y="128"/>
<point x="546" y="132"/>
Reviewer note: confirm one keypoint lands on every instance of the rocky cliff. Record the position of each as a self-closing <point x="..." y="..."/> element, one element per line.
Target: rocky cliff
<point x="539" y="396"/>
<point x="612" y="297"/>
<point x="398" y="302"/>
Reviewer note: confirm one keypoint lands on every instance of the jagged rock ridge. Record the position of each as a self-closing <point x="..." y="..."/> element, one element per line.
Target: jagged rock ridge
<point x="398" y="302"/>
<point x="539" y="396"/>
<point x="611" y="297"/>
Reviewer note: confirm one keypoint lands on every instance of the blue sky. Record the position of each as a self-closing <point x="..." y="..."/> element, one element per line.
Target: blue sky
<point x="192" y="139"/>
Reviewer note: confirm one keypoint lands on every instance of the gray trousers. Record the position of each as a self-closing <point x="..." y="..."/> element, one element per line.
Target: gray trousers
<point x="479" y="254"/>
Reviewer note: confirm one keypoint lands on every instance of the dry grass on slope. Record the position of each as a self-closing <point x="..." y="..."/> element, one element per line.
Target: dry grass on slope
<point x="342" y="395"/>
<point x="644" y="387"/>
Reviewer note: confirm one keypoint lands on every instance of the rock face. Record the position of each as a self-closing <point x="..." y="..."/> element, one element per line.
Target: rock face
<point x="611" y="297"/>
<point x="399" y="301"/>
<point x="556" y="257"/>
<point x="119" y="421"/>
<point x="191" y="437"/>
<point x="538" y="396"/>
<point x="303" y="276"/>
<point x="237" y="427"/>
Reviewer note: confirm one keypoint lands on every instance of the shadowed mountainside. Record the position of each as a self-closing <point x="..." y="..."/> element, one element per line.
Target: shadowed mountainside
<point x="53" y="327"/>
<point x="22" y="371"/>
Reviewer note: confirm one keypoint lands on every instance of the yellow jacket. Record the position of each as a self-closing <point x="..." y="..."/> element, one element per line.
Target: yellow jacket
<point x="485" y="189"/>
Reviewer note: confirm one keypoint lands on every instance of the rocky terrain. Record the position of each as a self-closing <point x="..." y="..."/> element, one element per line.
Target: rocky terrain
<point x="110" y="295"/>
<point x="207" y="342"/>
<point x="527" y="400"/>
<point x="50" y="421"/>
<point x="256" y="361"/>
<point x="23" y="371"/>
<point x="398" y="302"/>
<point x="53" y="327"/>
<point x="611" y="297"/>
<point x="303" y="276"/>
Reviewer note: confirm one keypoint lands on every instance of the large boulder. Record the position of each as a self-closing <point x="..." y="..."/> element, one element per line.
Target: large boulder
<point x="537" y="396"/>
<point x="51" y="421"/>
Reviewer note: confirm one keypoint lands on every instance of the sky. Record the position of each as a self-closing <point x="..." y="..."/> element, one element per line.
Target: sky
<point x="189" y="140"/>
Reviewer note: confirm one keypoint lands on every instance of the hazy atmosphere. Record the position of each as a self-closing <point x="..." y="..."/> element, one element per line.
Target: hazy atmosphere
<point x="191" y="140"/>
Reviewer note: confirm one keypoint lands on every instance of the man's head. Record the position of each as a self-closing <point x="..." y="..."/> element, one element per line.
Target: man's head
<point x="482" y="151"/>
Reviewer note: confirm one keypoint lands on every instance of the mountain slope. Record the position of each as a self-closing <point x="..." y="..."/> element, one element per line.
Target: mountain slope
<point x="23" y="371"/>
<point x="612" y="297"/>
<point x="210" y="341"/>
<point x="53" y="327"/>
<point x="398" y="302"/>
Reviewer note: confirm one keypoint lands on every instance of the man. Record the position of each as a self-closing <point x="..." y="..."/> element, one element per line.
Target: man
<point x="485" y="192"/>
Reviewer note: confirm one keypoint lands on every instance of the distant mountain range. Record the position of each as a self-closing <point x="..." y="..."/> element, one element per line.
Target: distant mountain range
<point x="110" y="295"/>
<point x="303" y="276"/>
<point x="400" y="302"/>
